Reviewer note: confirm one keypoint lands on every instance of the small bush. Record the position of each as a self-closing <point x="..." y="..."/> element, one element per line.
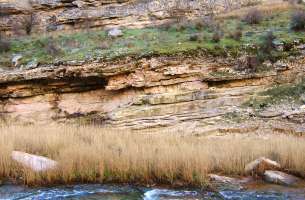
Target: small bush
<point x="217" y="35"/>
<point x="267" y="44"/>
<point x="166" y="26"/>
<point x="266" y="48"/>
<point x="199" y="25"/>
<point x="52" y="48"/>
<point x="28" y="24"/>
<point x="236" y="35"/>
<point x="24" y="26"/>
<point x="181" y="26"/>
<point x="298" y="20"/>
<point x="4" y="45"/>
<point x="248" y="64"/>
<point x="254" y="16"/>
<point x="206" y="22"/>
<point x="288" y="46"/>
<point x="194" y="37"/>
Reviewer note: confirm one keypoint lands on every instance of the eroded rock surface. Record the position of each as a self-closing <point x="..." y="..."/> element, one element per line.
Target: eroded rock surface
<point x="59" y="15"/>
<point x="134" y="93"/>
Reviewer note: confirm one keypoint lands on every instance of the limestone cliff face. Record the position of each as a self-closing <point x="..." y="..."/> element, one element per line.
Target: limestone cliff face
<point x="130" y="92"/>
<point x="140" y="93"/>
<point x="58" y="15"/>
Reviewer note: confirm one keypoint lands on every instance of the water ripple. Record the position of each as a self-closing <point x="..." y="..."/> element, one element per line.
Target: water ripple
<point x="117" y="192"/>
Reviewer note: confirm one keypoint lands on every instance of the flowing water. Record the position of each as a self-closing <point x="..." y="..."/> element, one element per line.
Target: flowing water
<point x="118" y="192"/>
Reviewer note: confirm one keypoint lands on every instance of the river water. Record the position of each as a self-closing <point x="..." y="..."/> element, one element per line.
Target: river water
<point x="119" y="192"/>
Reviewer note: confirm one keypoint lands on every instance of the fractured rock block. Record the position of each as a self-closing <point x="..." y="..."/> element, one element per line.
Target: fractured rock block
<point x="260" y="165"/>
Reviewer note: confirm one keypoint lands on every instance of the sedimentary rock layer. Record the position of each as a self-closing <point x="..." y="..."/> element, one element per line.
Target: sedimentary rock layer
<point x="42" y="16"/>
<point x="135" y="93"/>
<point x="129" y="92"/>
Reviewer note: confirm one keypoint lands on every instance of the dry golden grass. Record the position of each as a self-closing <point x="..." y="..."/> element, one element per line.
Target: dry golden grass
<point x="266" y="9"/>
<point x="92" y="154"/>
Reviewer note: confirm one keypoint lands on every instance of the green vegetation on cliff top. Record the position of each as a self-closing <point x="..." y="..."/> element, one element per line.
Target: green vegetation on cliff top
<point x="149" y="41"/>
<point x="294" y="93"/>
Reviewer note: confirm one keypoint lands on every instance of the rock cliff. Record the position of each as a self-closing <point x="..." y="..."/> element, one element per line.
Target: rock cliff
<point x="196" y="91"/>
<point x="148" y="92"/>
<point x="45" y="16"/>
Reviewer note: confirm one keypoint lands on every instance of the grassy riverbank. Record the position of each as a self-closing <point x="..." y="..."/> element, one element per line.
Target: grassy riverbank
<point x="92" y="154"/>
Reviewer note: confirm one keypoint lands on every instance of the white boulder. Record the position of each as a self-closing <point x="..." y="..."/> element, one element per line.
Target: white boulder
<point x="16" y="60"/>
<point x="115" y="32"/>
<point x="34" y="162"/>
<point x="280" y="178"/>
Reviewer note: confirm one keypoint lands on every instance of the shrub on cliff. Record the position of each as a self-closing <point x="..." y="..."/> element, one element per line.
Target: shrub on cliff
<point x="176" y="26"/>
<point x="194" y="37"/>
<point x="254" y="16"/>
<point x="181" y="26"/>
<point x="28" y="24"/>
<point x="217" y="34"/>
<point x="24" y="26"/>
<point x="51" y="47"/>
<point x="4" y="45"/>
<point x="236" y="35"/>
<point x="267" y="42"/>
<point x="297" y="22"/>
<point x="267" y="49"/>
<point x="249" y="64"/>
<point x="206" y="22"/>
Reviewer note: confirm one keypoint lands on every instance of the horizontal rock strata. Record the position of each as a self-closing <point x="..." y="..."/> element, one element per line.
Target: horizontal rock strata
<point x="58" y="15"/>
<point x="138" y="93"/>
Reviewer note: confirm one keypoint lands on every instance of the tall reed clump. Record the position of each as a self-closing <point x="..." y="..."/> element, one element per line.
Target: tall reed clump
<point x="92" y="154"/>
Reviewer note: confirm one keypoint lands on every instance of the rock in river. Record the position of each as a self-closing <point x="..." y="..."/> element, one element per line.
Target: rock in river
<point x="228" y="182"/>
<point x="280" y="178"/>
<point x="223" y="179"/>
